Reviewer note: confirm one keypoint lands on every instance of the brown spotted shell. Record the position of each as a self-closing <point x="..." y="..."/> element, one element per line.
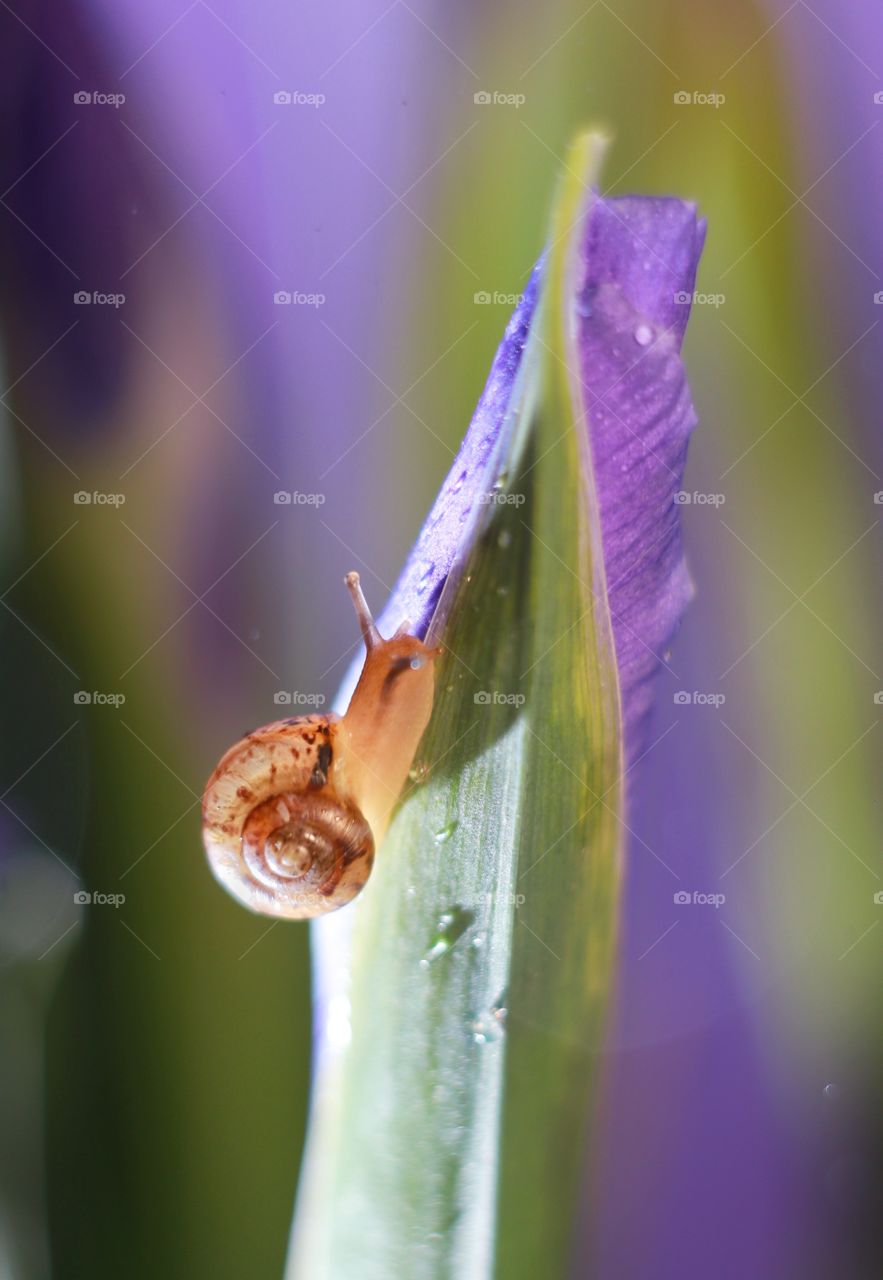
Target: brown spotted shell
<point x="278" y="834"/>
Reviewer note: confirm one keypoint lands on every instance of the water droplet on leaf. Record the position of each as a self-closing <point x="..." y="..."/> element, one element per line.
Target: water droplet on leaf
<point x="490" y="1025"/>
<point x="452" y="924"/>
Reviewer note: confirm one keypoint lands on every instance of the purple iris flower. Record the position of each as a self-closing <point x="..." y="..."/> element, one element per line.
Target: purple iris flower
<point x="639" y="266"/>
<point x="629" y="309"/>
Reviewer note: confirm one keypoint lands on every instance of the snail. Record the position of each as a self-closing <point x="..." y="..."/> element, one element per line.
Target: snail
<point x="294" y="811"/>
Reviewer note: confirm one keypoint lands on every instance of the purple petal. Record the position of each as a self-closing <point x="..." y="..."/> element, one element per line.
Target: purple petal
<point x="446" y="531"/>
<point x="633" y="301"/>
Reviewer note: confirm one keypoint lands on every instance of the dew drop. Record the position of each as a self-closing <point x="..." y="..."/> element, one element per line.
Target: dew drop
<point x="420" y="772"/>
<point x="643" y="335"/>
<point x="505" y="539"/>
<point x="831" y="1092"/>
<point x="451" y="926"/>
<point x="490" y="1025"/>
<point x="484" y="1030"/>
<point x="442" y="836"/>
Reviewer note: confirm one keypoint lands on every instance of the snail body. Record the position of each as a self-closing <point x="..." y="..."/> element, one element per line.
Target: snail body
<point x="293" y="812"/>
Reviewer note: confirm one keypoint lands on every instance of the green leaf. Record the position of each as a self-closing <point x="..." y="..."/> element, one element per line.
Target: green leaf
<point x="448" y="1138"/>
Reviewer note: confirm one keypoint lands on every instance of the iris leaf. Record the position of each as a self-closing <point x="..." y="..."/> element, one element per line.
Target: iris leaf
<point x="448" y="1125"/>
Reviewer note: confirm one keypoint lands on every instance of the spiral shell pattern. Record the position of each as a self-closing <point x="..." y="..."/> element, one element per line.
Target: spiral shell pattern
<point x="277" y="834"/>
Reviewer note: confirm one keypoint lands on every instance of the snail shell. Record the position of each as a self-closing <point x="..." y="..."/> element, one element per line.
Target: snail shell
<point x="292" y="812"/>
